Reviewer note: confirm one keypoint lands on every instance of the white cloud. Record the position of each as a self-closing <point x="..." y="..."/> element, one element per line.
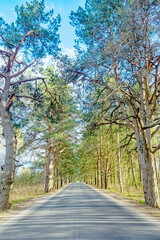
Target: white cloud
<point x="71" y="52"/>
<point x="47" y="61"/>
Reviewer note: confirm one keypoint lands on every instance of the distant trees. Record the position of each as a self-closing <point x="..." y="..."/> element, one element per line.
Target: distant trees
<point x="122" y="61"/>
<point x="50" y="131"/>
<point x="23" y="44"/>
<point x="100" y="164"/>
<point x="57" y="113"/>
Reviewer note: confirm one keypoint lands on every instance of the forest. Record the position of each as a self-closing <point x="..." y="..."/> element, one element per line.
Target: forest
<point x="94" y="118"/>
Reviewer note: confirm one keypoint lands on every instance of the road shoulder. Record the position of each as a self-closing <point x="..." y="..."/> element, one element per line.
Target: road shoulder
<point x="18" y="208"/>
<point x="141" y="208"/>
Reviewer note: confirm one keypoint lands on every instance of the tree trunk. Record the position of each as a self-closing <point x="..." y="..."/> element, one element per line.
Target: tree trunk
<point x="106" y="174"/>
<point x="49" y="178"/>
<point x="62" y="180"/>
<point x="58" y="177"/>
<point x="10" y="155"/>
<point x="119" y="164"/>
<point x="101" y="162"/>
<point x="95" y="179"/>
<point x="98" y="170"/>
<point x="133" y="172"/>
<point x="155" y="162"/>
<point x="140" y="171"/>
<point x="150" y="185"/>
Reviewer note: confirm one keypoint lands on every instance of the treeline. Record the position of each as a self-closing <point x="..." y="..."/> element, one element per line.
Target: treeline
<point x="106" y="163"/>
<point x="119" y="69"/>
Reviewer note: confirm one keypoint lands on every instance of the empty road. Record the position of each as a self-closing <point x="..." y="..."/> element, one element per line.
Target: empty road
<point x="80" y="212"/>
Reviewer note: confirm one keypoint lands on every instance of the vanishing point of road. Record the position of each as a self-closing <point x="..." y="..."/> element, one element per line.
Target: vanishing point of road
<point x="81" y="213"/>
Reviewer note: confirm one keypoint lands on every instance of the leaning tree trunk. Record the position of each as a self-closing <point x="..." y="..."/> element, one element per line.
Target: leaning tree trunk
<point x="10" y="155"/>
<point x="150" y="185"/>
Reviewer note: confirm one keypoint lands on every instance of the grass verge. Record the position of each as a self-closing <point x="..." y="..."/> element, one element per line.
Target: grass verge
<point x="22" y="193"/>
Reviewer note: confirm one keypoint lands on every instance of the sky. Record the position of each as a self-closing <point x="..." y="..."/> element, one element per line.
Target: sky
<point x="63" y="7"/>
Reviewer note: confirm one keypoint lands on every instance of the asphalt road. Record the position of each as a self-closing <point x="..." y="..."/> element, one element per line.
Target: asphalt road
<point x="80" y="212"/>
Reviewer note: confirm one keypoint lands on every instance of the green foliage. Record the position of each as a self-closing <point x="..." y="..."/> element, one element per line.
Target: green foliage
<point x="30" y="176"/>
<point x="32" y="17"/>
<point x="49" y="122"/>
<point x="95" y="21"/>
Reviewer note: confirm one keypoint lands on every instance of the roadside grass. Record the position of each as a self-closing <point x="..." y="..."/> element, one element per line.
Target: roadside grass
<point x="133" y="196"/>
<point x="130" y="193"/>
<point x="22" y="193"/>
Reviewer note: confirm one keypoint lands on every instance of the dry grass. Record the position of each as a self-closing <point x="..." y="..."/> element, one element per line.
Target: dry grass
<point x="25" y="192"/>
<point x="130" y="192"/>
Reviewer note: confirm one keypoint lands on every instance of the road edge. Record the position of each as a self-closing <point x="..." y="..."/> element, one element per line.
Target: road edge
<point x="35" y="205"/>
<point x="131" y="208"/>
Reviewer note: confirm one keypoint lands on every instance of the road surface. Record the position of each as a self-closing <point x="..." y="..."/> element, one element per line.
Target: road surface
<point x="80" y="212"/>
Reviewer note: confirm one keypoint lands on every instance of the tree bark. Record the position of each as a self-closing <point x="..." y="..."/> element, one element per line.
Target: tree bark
<point x="106" y="175"/>
<point x="150" y="185"/>
<point x="133" y="172"/>
<point x="49" y="178"/>
<point x="119" y="164"/>
<point x="98" y="170"/>
<point x="10" y="148"/>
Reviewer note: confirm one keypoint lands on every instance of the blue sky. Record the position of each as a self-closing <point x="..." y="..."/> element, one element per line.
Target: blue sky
<point x="63" y="7"/>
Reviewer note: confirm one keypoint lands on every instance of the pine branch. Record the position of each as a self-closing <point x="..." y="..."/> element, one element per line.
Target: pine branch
<point x="22" y="70"/>
<point x="7" y="41"/>
<point x="151" y="125"/>
<point x="130" y="136"/>
<point x="27" y="80"/>
<point x="156" y="149"/>
<point x="30" y="97"/>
